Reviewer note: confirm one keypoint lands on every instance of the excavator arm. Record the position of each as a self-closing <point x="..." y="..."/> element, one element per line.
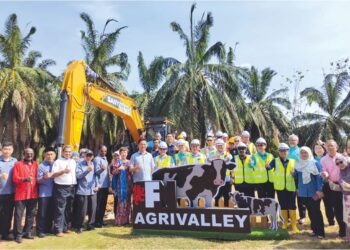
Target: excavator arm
<point x="77" y="92"/>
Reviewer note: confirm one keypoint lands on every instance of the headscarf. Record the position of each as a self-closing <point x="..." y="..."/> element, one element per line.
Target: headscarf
<point x="344" y="173"/>
<point x="307" y="167"/>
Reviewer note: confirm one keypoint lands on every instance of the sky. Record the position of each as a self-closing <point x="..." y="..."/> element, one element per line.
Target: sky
<point x="283" y="35"/>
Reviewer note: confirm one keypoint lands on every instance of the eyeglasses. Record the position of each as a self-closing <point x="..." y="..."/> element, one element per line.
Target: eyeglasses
<point x="162" y="148"/>
<point x="338" y="163"/>
<point x="260" y="145"/>
<point x="283" y="150"/>
<point x="209" y="140"/>
<point x="241" y="149"/>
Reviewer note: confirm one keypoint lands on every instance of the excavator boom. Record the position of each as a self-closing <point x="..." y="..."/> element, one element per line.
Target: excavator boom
<point x="77" y="92"/>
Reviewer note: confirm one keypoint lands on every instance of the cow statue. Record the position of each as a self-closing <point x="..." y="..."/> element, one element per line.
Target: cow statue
<point x="264" y="206"/>
<point x="196" y="181"/>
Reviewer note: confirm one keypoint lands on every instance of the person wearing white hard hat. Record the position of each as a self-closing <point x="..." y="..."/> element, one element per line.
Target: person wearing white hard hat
<point x="183" y="134"/>
<point x="210" y="150"/>
<point x="243" y="173"/>
<point x="263" y="178"/>
<point x="224" y="191"/>
<point x="245" y="137"/>
<point x="196" y="157"/>
<point x="182" y="157"/>
<point x="163" y="160"/>
<point x="284" y="184"/>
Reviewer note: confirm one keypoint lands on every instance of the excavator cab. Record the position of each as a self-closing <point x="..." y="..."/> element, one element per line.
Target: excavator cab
<point x="157" y="124"/>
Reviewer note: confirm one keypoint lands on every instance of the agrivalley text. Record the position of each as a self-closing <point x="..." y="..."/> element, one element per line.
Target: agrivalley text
<point x="190" y="219"/>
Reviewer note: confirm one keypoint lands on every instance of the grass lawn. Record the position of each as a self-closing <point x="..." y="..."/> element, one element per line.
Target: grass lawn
<point x="123" y="238"/>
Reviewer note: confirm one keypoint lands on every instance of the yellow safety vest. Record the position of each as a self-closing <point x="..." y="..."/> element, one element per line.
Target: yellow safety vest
<point x="252" y="148"/>
<point x="260" y="173"/>
<point x="164" y="162"/>
<point x="198" y="159"/>
<point x="243" y="173"/>
<point x="185" y="161"/>
<point x="283" y="178"/>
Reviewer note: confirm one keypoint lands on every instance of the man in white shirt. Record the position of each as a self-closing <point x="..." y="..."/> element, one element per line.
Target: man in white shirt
<point x="63" y="173"/>
<point x="141" y="163"/>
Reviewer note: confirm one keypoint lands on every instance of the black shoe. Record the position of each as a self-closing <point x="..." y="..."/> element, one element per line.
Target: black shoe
<point x="90" y="228"/>
<point x="18" y="239"/>
<point x="104" y="224"/>
<point x="79" y="230"/>
<point x="28" y="236"/>
<point x="8" y="237"/>
<point x="41" y="235"/>
<point x="98" y="225"/>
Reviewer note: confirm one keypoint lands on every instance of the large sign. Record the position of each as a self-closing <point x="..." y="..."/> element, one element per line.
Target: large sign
<point x="155" y="207"/>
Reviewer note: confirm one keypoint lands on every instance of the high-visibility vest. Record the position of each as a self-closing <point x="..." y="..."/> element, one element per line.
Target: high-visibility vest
<point x="243" y="173"/>
<point x="185" y="161"/>
<point x="251" y="148"/>
<point x="164" y="162"/>
<point x="197" y="159"/>
<point x="260" y="173"/>
<point x="224" y="156"/>
<point x="283" y="178"/>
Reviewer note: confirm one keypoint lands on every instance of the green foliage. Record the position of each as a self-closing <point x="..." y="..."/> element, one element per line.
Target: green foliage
<point x="101" y="127"/>
<point x="28" y="91"/>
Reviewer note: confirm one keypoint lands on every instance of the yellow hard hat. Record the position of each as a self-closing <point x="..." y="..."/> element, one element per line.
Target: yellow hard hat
<point x="180" y="137"/>
<point x="231" y="140"/>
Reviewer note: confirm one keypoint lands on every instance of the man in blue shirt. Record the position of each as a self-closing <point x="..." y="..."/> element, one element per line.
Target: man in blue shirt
<point x="45" y="185"/>
<point x="101" y="166"/>
<point x="6" y="190"/>
<point x="86" y="196"/>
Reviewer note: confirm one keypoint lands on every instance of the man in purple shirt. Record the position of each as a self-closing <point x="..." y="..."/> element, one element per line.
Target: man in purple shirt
<point x="45" y="185"/>
<point x="6" y="190"/>
<point x="102" y="173"/>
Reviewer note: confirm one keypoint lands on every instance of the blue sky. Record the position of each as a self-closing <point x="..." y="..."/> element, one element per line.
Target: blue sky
<point x="283" y="35"/>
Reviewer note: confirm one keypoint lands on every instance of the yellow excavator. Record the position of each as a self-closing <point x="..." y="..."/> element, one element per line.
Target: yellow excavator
<point x="77" y="91"/>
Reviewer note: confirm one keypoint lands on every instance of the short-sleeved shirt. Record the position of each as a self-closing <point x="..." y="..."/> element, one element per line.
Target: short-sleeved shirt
<point x="68" y="178"/>
<point x="103" y="175"/>
<point x="45" y="187"/>
<point x="146" y="161"/>
<point x="6" y="186"/>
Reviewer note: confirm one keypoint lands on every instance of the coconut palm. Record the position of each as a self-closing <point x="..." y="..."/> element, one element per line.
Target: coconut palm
<point x="332" y="118"/>
<point x="28" y="91"/>
<point x="264" y="113"/>
<point x="197" y="93"/>
<point x="101" y="126"/>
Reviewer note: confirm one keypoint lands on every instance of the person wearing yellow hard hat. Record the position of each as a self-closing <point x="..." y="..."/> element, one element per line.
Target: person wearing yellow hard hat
<point x="196" y="157"/>
<point x="163" y="160"/>
<point x="224" y="191"/>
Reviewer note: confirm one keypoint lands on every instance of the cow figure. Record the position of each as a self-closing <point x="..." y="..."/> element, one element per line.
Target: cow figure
<point x="264" y="207"/>
<point x="196" y="181"/>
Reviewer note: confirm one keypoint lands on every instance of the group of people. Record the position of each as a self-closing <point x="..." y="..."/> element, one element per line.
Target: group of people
<point x="76" y="185"/>
<point x="57" y="194"/>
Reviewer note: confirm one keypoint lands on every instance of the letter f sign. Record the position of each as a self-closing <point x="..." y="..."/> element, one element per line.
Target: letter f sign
<point x="150" y="195"/>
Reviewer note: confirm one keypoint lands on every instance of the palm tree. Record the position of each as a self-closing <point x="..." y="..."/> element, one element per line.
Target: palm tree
<point x="197" y="94"/>
<point x="101" y="126"/>
<point x="332" y="119"/>
<point x="264" y="114"/>
<point x="28" y="91"/>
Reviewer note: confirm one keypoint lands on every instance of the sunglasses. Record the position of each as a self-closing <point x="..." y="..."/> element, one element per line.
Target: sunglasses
<point x="210" y="140"/>
<point x="163" y="149"/>
<point x="260" y="145"/>
<point x="241" y="149"/>
<point x="338" y="163"/>
<point x="283" y="150"/>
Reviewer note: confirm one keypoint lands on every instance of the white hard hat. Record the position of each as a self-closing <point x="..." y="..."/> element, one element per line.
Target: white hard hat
<point x="283" y="146"/>
<point x="241" y="145"/>
<point x="261" y="141"/>
<point x="225" y="135"/>
<point x="183" y="133"/>
<point x="219" y="134"/>
<point x="210" y="135"/>
<point x="181" y="142"/>
<point x="195" y="142"/>
<point x="245" y="133"/>
<point x="162" y="144"/>
<point x="219" y="142"/>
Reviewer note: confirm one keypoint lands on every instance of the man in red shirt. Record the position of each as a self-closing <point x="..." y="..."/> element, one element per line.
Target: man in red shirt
<point x="26" y="194"/>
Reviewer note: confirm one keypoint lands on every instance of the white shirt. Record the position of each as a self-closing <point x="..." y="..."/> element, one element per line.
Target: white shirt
<point x="65" y="179"/>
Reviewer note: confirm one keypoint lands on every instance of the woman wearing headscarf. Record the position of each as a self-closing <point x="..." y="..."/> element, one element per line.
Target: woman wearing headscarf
<point x="344" y="185"/>
<point x="309" y="186"/>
